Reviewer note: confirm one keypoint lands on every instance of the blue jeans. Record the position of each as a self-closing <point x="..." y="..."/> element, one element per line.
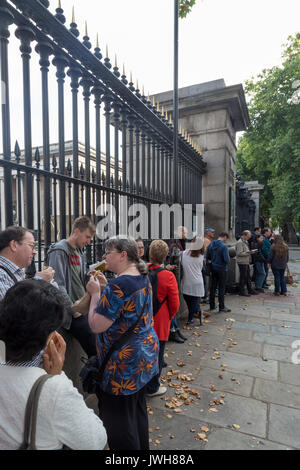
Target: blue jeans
<point x="154" y="383"/>
<point x="260" y="274"/>
<point x="174" y="325"/>
<point x="266" y="276"/>
<point x="279" y="280"/>
<point x="192" y="304"/>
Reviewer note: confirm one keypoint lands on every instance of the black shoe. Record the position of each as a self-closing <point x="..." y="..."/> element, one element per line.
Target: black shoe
<point x="245" y="295"/>
<point x="181" y="335"/>
<point x="190" y="322"/>
<point x="259" y="289"/>
<point x="225" y="309"/>
<point x="164" y="364"/>
<point x="174" y="336"/>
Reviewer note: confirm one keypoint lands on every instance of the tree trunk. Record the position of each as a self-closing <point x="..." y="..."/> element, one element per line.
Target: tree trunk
<point x="291" y="233"/>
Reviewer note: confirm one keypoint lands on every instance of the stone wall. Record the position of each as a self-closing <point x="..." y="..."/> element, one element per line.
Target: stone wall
<point x="212" y="114"/>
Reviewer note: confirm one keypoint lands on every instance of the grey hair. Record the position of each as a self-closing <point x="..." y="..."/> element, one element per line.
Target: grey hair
<point x="128" y="244"/>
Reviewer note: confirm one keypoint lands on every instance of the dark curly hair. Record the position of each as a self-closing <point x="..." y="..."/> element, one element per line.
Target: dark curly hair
<point x="29" y="312"/>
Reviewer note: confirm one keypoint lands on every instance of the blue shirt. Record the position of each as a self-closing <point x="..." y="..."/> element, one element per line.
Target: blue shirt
<point x="132" y="366"/>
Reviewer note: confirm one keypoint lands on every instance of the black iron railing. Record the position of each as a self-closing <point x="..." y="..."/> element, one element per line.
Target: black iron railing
<point x="45" y="192"/>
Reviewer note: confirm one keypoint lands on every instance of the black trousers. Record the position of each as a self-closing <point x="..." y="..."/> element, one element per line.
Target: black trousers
<point x="218" y="280"/>
<point x="80" y="329"/>
<point x="125" y="419"/>
<point x="245" y="280"/>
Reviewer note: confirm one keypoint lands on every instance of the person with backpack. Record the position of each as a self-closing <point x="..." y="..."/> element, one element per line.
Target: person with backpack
<point x="192" y="286"/>
<point x="166" y="303"/>
<point x="218" y="255"/>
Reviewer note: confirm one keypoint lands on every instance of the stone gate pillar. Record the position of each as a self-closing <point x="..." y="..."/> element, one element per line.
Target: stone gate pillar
<point x="212" y="114"/>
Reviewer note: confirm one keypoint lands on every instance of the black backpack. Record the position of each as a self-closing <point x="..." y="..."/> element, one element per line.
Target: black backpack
<point x="153" y="278"/>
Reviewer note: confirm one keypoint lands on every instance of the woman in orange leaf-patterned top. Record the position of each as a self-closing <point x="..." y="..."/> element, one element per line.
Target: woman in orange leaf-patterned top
<point x="121" y="393"/>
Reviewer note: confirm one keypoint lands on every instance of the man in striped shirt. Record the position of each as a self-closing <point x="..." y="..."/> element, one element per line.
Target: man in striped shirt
<point x="17" y="250"/>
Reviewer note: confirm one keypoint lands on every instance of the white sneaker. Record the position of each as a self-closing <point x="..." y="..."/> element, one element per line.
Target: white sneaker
<point x="160" y="391"/>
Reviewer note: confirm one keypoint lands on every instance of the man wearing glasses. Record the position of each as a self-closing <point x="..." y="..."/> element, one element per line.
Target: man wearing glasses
<point x="17" y="250"/>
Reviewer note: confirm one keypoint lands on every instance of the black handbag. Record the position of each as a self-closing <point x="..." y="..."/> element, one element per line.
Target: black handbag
<point x="91" y="374"/>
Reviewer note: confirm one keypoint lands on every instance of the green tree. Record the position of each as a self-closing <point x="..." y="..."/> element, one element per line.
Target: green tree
<point x="185" y="7"/>
<point x="270" y="149"/>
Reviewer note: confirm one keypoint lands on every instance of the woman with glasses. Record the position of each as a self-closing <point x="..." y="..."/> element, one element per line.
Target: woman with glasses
<point x="124" y="301"/>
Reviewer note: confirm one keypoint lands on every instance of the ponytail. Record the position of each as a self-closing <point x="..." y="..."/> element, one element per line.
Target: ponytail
<point x="142" y="267"/>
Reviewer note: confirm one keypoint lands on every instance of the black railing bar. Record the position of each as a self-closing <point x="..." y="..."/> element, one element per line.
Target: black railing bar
<point x="58" y="176"/>
<point x="80" y="54"/>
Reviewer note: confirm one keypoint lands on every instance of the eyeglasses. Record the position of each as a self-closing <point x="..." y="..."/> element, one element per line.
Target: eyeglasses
<point x="109" y="252"/>
<point x="33" y="246"/>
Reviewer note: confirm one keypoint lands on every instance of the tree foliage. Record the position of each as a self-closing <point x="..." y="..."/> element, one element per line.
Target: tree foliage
<point x="269" y="150"/>
<point x="185" y="7"/>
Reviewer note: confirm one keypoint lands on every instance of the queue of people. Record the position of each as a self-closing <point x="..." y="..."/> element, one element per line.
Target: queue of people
<point x="129" y="320"/>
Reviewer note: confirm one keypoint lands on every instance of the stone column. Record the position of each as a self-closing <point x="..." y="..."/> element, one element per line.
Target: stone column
<point x="212" y="114"/>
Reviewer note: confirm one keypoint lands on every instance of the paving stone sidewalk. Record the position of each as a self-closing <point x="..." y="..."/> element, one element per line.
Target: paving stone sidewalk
<point x="232" y="384"/>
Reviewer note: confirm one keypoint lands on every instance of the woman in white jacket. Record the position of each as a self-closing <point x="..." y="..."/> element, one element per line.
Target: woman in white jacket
<point x="192" y="285"/>
<point x="30" y="313"/>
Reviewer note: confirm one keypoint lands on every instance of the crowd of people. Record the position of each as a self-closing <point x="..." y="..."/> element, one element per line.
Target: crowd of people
<point x="128" y="322"/>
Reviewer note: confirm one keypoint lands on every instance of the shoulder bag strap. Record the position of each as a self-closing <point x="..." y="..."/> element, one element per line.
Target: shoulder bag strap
<point x="123" y="339"/>
<point x="11" y="275"/>
<point x="31" y="413"/>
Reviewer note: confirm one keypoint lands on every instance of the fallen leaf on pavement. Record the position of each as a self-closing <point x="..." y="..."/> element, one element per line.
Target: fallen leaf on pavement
<point x="205" y="429"/>
<point x="177" y="410"/>
<point x="169" y="404"/>
<point x="236" y="426"/>
<point x="200" y="436"/>
<point x="180" y="364"/>
<point x="213" y="410"/>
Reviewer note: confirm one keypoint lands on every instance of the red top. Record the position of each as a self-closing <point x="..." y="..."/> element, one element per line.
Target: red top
<point x="166" y="287"/>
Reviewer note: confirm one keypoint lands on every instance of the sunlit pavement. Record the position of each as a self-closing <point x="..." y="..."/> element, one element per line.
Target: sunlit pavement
<point x="235" y="382"/>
